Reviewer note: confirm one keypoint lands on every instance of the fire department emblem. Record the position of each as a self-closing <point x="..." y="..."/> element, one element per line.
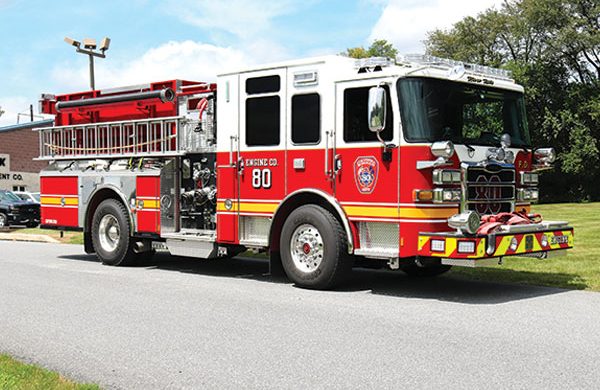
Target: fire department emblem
<point x="366" y="170"/>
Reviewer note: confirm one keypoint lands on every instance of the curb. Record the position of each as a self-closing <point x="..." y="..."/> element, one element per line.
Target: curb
<point x="28" y="237"/>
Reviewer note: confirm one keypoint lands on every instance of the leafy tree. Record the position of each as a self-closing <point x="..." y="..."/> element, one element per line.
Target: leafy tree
<point x="553" y="49"/>
<point x="1" y="111"/>
<point x="379" y="48"/>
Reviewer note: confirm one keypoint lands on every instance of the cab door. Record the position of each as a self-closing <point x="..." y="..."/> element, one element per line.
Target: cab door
<point x="310" y="136"/>
<point x="261" y="163"/>
<point x="366" y="179"/>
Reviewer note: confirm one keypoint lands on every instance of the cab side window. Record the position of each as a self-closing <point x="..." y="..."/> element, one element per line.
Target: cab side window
<point x="306" y="118"/>
<point x="263" y="112"/>
<point x="356" y="126"/>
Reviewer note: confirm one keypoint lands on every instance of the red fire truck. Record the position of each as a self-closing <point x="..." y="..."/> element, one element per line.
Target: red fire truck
<point x="420" y="163"/>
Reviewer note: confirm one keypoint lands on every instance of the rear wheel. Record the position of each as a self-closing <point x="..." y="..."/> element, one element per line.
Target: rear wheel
<point x="111" y="234"/>
<point x="314" y="248"/>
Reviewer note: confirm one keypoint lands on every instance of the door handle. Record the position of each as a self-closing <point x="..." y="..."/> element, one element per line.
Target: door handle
<point x="240" y="166"/>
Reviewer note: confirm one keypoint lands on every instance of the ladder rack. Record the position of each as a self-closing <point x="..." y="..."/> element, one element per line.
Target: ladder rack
<point x="131" y="138"/>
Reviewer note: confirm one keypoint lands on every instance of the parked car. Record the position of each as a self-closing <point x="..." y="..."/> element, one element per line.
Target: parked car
<point x="33" y="197"/>
<point x="14" y="211"/>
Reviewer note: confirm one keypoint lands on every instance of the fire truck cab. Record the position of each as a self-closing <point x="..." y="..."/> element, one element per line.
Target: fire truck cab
<point x="319" y="162"/>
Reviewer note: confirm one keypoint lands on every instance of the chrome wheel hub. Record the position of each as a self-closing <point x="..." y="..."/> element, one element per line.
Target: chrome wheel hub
<point x="306" y="248"/>
<point x="109" y="233"/>
<point x="2" y="220"/>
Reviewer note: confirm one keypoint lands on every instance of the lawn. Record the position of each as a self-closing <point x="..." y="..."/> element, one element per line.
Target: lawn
<point x="580" y="269"/>
<point x="16" y="375"/>
<point x="67" y="237"/>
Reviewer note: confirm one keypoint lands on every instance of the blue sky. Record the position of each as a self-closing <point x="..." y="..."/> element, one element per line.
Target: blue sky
<point x="194" y="39"/>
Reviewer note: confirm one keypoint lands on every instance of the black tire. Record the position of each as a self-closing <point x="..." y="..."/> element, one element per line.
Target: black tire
<point x="3" y="220"/>
<point x="429" y="270"/>
<point x="32" y="224"/>
<point x="330" y="262"/>
<point x="115" y="212"/>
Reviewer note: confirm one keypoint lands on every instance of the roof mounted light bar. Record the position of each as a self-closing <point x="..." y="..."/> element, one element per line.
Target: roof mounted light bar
<point x="446" y="63"/>
<point x="373" y="63"/>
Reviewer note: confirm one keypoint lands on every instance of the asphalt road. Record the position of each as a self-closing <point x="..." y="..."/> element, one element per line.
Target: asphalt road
<point x="178" y="323"/>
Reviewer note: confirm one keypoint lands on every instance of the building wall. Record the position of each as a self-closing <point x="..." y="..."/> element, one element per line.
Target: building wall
<point x="18" y="148"/>
<point x="23" y="146"/>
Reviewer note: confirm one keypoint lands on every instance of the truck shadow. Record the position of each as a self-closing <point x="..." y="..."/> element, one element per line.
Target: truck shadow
<point x="448" y="287"/>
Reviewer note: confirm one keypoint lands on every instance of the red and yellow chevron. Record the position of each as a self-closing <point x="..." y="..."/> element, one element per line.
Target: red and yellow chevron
<point x="505" y="244"/>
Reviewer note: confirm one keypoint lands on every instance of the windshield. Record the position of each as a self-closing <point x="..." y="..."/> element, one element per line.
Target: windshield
<point x="438" y="110"/>
<point x="36" y="196"/>
<point x="9" y="196"/>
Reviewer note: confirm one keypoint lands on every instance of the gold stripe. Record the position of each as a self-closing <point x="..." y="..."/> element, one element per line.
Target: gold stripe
<point x="403" y="212"/>
<point x="55" y="200"/>
<point x="249" y="207"/>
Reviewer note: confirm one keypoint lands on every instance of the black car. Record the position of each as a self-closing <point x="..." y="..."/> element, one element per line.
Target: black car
<point x="14" y="211"/>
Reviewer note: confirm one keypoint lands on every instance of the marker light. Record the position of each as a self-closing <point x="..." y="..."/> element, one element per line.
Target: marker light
<point x="513" y="244"/>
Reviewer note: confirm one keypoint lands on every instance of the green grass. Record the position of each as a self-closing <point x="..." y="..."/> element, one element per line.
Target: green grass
<point x="67" y="238"/>
<point x="16" y="375"/>
<point x="580" y="269"/>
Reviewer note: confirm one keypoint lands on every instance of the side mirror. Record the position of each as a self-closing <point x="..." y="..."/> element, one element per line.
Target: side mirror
<point x="376" y="109"/>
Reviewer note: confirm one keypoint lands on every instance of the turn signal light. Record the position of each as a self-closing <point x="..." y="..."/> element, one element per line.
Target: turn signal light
<point x="423" y="195"/>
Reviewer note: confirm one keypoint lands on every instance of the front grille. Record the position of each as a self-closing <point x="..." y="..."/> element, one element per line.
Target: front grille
<point x="490" y="189"/>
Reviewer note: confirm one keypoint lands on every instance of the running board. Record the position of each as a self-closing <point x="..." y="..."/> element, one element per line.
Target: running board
<point x="201" y="246"/>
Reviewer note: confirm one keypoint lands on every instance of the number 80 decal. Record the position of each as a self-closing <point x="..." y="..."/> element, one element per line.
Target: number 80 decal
<point x="261" y="178"/>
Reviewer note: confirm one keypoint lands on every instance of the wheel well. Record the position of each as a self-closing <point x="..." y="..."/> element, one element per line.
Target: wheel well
<point x="290" y="205"/>
<point x="100" y="196"/>
<point x="97" y="198"/>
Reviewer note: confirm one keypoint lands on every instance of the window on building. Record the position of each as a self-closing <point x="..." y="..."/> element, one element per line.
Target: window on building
<point x="356" y="126"/>
<point x="262" y="121"/>
<point x="264" y="84"/>
<point x="19" y="188"/>
<point x="306" y="118"/>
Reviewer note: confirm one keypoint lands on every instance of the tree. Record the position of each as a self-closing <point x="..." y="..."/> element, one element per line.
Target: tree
<point x="553" y="49"/>
<point x="379" y="48"/>
<point x="1" y="111"/>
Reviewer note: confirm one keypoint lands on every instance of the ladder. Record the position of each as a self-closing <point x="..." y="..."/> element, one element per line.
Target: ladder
<point x="131" y="138"/>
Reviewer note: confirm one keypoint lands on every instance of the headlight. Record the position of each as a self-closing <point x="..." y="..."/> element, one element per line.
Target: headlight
<point x="446" y="176"/>
<point x="446" y="195"/>
<point x="545" y="156"/>
<point x="528" y="194"/>
<point x="529" y="178"/>
<point x="442" y="149"/>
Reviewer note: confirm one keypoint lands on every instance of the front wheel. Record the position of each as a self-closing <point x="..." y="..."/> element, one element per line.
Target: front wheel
<point x="314" y="248"/>
<point x="111" y="233"/>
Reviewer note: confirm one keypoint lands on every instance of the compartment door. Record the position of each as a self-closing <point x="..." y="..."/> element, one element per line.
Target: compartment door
<point x="59" y="198"/>
<point x="147" y="204"/>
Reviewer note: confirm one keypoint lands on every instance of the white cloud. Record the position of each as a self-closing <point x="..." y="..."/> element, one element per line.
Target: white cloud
<point x="243" y="18"/>
<point x="405" y="23"/>
<point x="12" y="106"/>
<point x="173" y="60"/>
